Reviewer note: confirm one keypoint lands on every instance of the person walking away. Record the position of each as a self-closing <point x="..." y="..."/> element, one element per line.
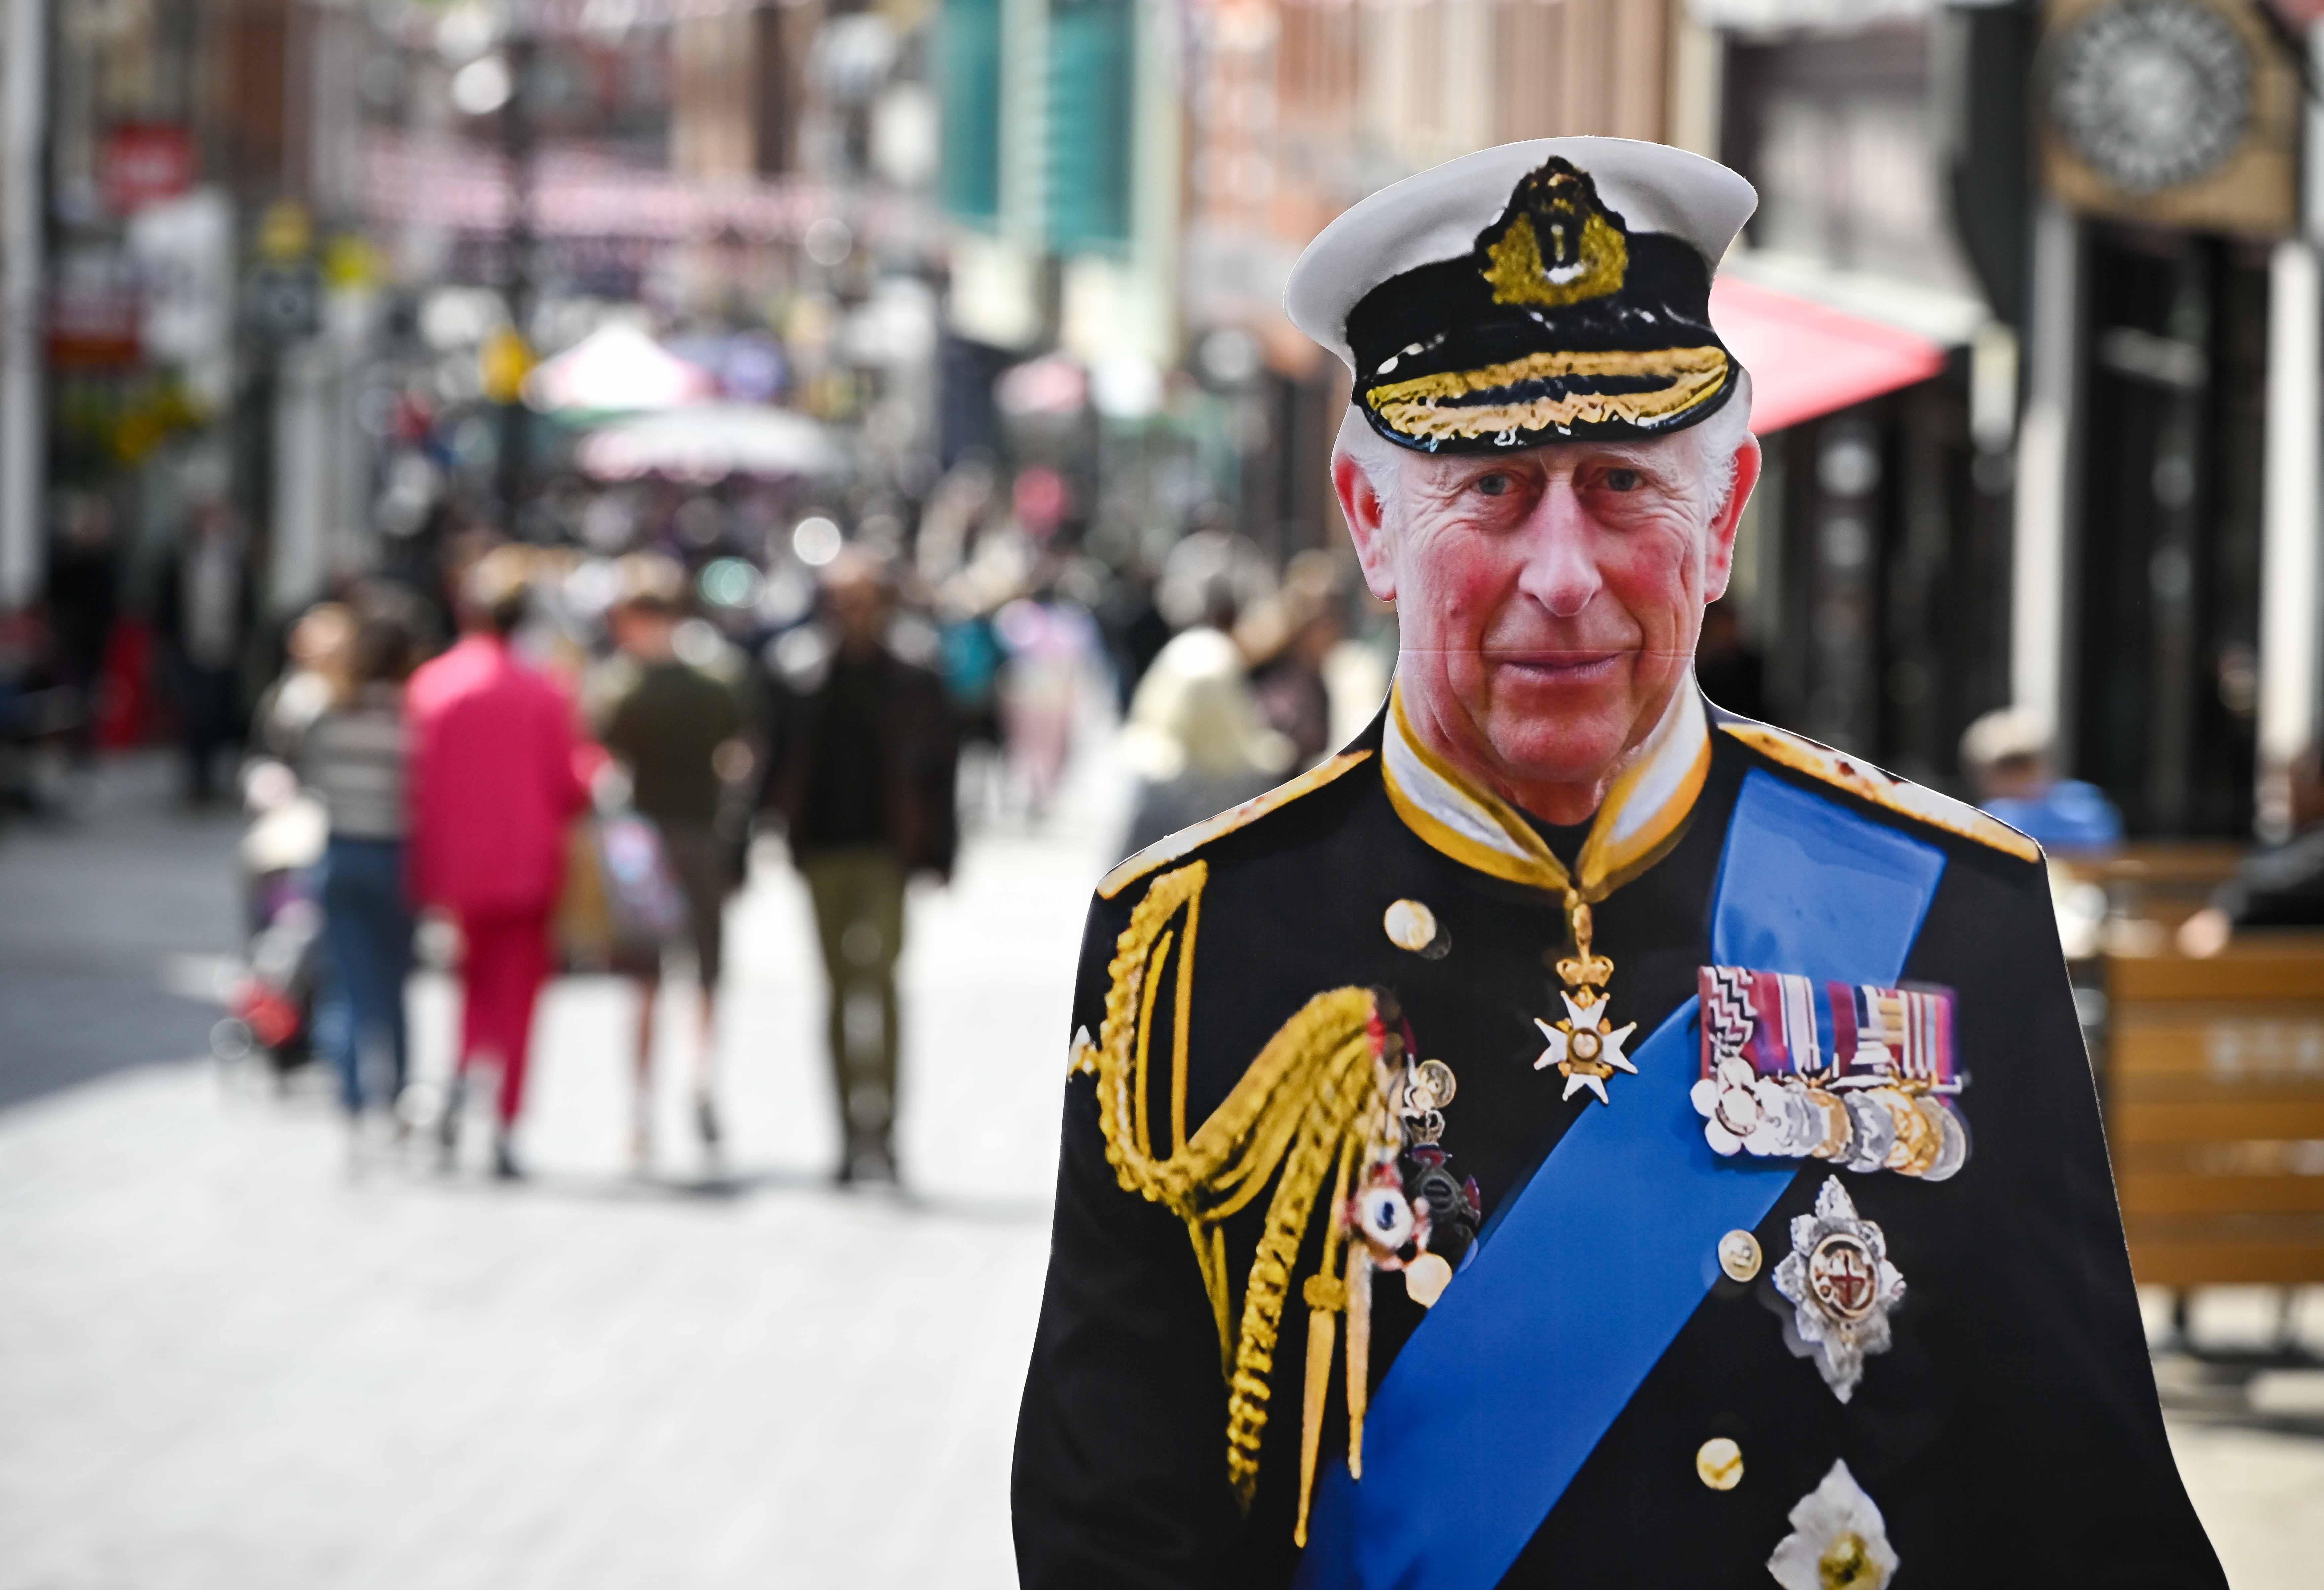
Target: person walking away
<point x="496" y="779"/>
<point x="679" y="730"/>
<point x="1290" y="641"/>
<point x="84" y="598"/>
<point x="1194" y="739"/>
<point x="205" y="612"/>
<point x="1049" y="643"/>
<point x="353" y="758"/>
<point x="860" y="772"/>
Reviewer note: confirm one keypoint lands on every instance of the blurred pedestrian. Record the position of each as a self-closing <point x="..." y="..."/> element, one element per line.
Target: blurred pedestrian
<point x="677" y="728"/>
<point x="1732" y="674"/>
<point x="1050" y="644"/>
<point x="319" y="657"/>
<point x="353" y="758"/>
<point x="496" y="780"/>
<point x="2008" y="756"/>
<point x="862" y="751"/>
<point x="1196" y="739"/>
<point x="1289" y="639"/>
<point x="84" y="584"/>
<point x="2281" y="887"/>
<point x="204" y="613"/>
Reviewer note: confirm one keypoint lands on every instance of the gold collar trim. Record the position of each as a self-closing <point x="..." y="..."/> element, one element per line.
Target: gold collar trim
<point x="1641" y="815"/>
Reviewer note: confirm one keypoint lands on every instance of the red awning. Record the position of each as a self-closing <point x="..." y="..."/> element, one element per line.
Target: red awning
<point x="1806" y="360"/>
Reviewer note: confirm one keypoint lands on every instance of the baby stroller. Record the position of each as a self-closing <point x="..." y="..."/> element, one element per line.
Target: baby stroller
<point x="271" y="1005"/>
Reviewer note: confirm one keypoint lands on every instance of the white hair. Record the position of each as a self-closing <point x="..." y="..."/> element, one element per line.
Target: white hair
<point x="1717" y="439"/>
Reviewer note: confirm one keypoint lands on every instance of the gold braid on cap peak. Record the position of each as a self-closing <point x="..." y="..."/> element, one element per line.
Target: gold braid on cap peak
<point x="1429" y="405"/>
<point x="1315" y="1104"/>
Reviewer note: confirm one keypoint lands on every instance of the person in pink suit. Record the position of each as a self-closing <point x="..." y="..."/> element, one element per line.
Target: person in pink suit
<point x="498" y="773"/>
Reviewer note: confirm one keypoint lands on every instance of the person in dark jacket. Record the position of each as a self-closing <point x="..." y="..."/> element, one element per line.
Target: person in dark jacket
<point x="676" y="726"/>
<point x="862" y="753"/>
<point x="203" y="612"/>
<point x="2280" y="886"/>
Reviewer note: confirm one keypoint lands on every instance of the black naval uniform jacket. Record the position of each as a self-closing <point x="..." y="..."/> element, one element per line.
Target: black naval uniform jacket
<point x="2010" y="1435"/>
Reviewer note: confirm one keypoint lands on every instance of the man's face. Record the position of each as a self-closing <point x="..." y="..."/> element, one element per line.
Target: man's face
<point x="1548" y="601"/>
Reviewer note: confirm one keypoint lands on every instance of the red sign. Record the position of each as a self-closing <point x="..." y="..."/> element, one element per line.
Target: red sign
<point x="142" y="164"/>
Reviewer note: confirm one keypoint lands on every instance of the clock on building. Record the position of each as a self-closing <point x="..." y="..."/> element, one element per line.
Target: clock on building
<point x="2152" y="94"/>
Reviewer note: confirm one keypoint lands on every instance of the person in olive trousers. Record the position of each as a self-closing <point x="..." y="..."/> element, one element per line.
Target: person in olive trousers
<point x="862" y="753"/>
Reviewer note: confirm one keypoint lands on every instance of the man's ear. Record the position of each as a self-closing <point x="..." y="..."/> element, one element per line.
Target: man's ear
<point x="1360" y="506"/>
<point x="1718" y="551"/>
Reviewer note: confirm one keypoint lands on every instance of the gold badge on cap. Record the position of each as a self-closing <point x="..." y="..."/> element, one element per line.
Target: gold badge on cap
<point x="1557" y="246"/>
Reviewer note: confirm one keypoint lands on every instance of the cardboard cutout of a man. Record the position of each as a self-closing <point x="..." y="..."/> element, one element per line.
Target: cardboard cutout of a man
<point x="1577" y="1137"/>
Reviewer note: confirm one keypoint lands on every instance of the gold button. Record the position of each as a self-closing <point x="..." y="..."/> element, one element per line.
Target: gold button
<point x="1410" y="926"/>
<point x="1738" y="1255"/>
<point x="1719" y="1463"/>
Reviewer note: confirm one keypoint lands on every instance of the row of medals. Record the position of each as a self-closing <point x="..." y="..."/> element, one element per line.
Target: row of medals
<point x="1886" y="1126"/>
<point x="1890" y="1127"/>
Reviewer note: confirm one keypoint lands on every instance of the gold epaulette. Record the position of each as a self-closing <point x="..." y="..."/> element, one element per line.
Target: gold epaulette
<point x="1882" y="788"/>
<point x="1314" y="1105"/>
<point x="1186" y="840"/>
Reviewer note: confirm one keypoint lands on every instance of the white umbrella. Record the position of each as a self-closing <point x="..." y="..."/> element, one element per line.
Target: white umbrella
<point x="616" y="369"/>
<point x="709" y="442"/>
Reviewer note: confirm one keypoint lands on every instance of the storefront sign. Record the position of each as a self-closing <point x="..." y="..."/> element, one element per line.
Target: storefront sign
<point x="141" y="164"/>
<point x="2177" y="113"/>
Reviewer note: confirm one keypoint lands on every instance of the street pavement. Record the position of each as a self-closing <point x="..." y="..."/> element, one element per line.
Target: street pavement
<point x="235" y="1352"/>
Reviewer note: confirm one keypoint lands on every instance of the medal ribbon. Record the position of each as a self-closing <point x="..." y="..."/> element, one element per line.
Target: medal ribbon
<point x="1838" y="1034"/>
<point x="1591" y="1269"/>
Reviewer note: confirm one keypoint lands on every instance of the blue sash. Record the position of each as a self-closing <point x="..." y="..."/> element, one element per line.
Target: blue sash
<point x="1554" y="1323"/>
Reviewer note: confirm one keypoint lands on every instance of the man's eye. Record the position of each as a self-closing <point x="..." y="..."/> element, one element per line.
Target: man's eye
<point x="1494" y="485"/>
<point x="1624" y="479"/>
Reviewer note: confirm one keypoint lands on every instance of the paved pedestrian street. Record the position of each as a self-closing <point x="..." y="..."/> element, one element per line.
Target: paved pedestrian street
<point x="226" y="1359"/>
<point x="235" y="1355"/>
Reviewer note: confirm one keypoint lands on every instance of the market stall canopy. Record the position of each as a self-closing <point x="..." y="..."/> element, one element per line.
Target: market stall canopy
<point x="709" y="442"/>
<point x="616" y="369"/>
<point x="1808" y="359"/>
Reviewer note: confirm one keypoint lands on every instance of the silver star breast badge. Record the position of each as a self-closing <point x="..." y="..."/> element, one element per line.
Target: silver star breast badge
<point x="1842" y="1287"/>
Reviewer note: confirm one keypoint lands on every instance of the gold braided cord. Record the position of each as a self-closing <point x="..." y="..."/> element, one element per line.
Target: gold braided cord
<point x="1425" y="405"/>
<point x="1708" y="363"/>
<point x="1308" y="1104"/>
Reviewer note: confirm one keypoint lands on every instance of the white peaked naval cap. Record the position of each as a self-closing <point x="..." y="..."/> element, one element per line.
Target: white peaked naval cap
<point x="1437" y="215"/>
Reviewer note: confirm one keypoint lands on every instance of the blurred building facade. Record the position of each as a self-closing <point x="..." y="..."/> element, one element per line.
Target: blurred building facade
<point x="2038" y="383"/>
<point x="2035" y="430"/>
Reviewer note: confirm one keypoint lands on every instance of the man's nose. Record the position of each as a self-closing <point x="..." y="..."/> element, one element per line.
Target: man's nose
<point x="1561" y="570"/>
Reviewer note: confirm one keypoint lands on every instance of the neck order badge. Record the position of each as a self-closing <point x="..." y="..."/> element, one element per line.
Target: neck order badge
<point x="1641" y="816"/>
<point x="1474" y="1411"/>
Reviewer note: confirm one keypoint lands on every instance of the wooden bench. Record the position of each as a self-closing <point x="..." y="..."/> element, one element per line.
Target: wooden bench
<point x="2214" y="1088"/>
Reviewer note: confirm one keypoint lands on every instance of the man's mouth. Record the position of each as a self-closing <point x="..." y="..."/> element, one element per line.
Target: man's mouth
<point x="1561" y="667"/>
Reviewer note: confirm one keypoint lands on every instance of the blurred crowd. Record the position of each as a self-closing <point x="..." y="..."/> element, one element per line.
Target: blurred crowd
<point x="520" y="758"/>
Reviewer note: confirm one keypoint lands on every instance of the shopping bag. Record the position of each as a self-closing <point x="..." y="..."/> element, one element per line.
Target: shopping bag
<point x="649" y="911"/>
<point x="584" y="914"/>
